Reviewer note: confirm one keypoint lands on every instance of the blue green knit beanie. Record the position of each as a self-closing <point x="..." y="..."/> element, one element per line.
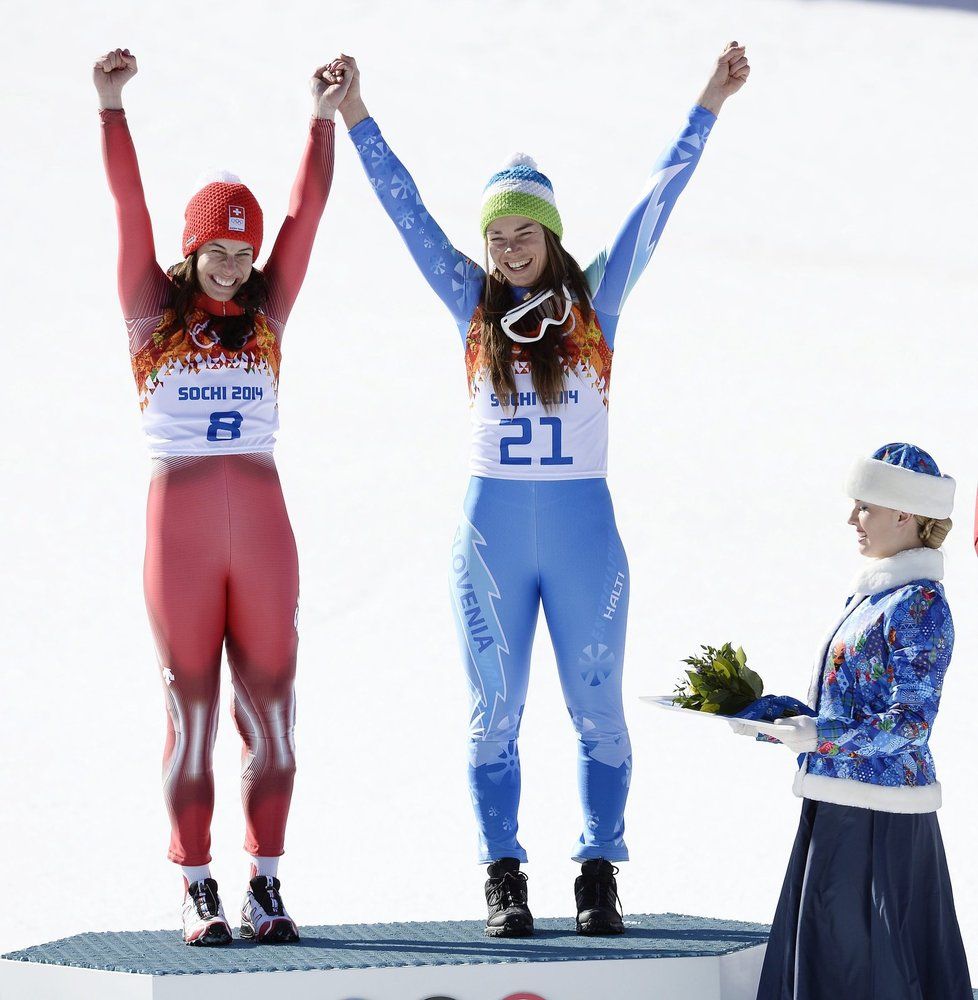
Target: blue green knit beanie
<point x="520" y="189"/>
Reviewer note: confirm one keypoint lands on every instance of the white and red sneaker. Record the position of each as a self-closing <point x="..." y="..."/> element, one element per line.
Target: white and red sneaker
<point x="263" y="914"/>
<point x="204" y="923"/>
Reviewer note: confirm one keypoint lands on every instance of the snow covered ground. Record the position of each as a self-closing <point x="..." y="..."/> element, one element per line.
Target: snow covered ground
<point x="813" y="297"/>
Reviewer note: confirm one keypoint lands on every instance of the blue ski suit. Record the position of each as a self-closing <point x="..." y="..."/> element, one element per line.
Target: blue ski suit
<point x="538" y="525"/>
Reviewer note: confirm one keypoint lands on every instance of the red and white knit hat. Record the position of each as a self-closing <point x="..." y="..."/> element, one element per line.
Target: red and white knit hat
<point x="223" y="208"/>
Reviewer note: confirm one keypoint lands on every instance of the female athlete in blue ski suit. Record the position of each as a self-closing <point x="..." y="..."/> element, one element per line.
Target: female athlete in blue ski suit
<point x="538" y="524"/>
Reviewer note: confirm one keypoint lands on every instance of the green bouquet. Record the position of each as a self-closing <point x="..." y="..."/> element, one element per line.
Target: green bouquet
<point x="719" y="682"/>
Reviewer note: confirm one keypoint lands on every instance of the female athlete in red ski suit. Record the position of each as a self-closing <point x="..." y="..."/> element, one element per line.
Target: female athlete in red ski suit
<point x="221" y="567"/>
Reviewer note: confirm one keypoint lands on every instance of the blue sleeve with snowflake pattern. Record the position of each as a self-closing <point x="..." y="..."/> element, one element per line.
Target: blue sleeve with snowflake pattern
<point x="455" y="279"/>
<point x="613" y="273"/>
<point x="919" y="639"/>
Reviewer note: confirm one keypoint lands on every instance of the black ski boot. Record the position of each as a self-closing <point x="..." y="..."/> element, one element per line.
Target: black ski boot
<point x="509" y="916"/>
<point x="596" y="894"/>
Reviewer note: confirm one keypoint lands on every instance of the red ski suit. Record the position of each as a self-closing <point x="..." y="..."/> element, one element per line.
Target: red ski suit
<point x="221" y="567"/>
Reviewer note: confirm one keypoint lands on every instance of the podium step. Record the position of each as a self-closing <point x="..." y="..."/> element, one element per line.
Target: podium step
<point x="660" y="955"/>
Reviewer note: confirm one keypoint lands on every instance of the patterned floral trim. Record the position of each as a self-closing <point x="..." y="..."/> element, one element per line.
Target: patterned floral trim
<point x="197" y="349"/>
<point x="587" y="350"/>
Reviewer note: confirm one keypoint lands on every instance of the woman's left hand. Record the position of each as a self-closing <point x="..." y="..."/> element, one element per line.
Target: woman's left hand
<point x="329" y="85"/>
<point x="730" y="74"/>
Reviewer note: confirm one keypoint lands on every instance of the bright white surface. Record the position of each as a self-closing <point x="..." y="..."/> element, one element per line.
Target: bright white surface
<point x="27" y="981"/>
<point x="813" y="297"/>
<point x="726" y="977"/>
<point x="664" y="701"/>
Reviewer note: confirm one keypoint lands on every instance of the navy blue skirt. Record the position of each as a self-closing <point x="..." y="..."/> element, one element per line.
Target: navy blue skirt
<point x="866" y="912"/>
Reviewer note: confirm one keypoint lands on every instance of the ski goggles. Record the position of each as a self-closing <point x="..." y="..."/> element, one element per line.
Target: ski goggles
<point x="524" y="323"/>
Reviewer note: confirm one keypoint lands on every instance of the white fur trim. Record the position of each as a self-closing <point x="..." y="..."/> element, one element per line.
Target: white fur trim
<point x="863" y="795"/>
<point x="880" y="575"/>
<point x="903" y="489"/>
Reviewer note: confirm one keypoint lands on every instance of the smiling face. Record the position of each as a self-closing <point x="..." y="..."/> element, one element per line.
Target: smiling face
<point x="882" y="531"/>
<point x="518" y="248"/>
<point x="223" y="266"/>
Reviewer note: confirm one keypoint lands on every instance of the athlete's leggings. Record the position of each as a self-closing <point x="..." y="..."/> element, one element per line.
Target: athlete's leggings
<point x="221" y="570"/>
<point x="520" y="543"/>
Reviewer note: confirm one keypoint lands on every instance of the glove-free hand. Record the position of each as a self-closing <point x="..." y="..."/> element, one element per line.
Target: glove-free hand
<point x="800" y="733"/>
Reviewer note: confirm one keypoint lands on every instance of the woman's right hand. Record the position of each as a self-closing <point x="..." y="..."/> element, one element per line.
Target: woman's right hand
<point x="728" y="76"/>
<point x="351" y="107"/>
<point x="110" y="74"/>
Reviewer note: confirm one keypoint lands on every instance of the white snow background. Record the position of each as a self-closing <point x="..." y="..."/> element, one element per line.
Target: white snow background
<point x="812" y="298"/>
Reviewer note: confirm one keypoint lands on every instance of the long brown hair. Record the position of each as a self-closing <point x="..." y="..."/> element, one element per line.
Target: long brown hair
<point x="231" y="331"/>
<point x="549" y="354"/>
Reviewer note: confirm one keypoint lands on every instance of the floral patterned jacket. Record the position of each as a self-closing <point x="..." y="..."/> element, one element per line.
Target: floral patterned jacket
<point x="876" y="689"/>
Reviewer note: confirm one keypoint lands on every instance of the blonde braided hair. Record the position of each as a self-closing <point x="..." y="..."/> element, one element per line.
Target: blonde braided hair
<point x="932" y="530"/>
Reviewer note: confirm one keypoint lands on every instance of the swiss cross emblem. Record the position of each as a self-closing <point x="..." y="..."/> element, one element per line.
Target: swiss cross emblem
<point x="236" y="219"/>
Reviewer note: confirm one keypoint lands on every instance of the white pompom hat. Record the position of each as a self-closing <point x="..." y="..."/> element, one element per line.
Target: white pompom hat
<point x="520" y="189"/>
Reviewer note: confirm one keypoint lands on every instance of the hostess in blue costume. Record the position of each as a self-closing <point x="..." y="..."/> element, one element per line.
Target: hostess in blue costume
<point x="866" y="911"/>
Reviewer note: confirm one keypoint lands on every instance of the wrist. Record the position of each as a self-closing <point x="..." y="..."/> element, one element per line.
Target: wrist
<point x="324" y="111"/>
<point x="354" y="112"/>
<point x="110" y="101"/>
<point x="711" y="100"/>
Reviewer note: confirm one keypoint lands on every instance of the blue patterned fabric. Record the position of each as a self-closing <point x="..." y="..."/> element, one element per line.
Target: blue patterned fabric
<point x="521" y="544"/>
<point x="907" y="456"/>
<point x="772" y="707"/>
<point x="881" y="685"/>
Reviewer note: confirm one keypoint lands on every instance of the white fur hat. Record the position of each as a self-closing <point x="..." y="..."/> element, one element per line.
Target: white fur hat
<point x="902" y="477"/>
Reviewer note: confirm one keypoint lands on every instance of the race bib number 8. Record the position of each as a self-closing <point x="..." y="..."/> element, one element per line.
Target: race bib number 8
<point x="225" y="425"/>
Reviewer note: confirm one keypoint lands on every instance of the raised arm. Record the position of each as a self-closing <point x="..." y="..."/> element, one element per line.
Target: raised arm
<point x="287" y="264"/>
<point x="454" y="278"/>
<point x="142" y="283"/>
<point x="613" y="273"/>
